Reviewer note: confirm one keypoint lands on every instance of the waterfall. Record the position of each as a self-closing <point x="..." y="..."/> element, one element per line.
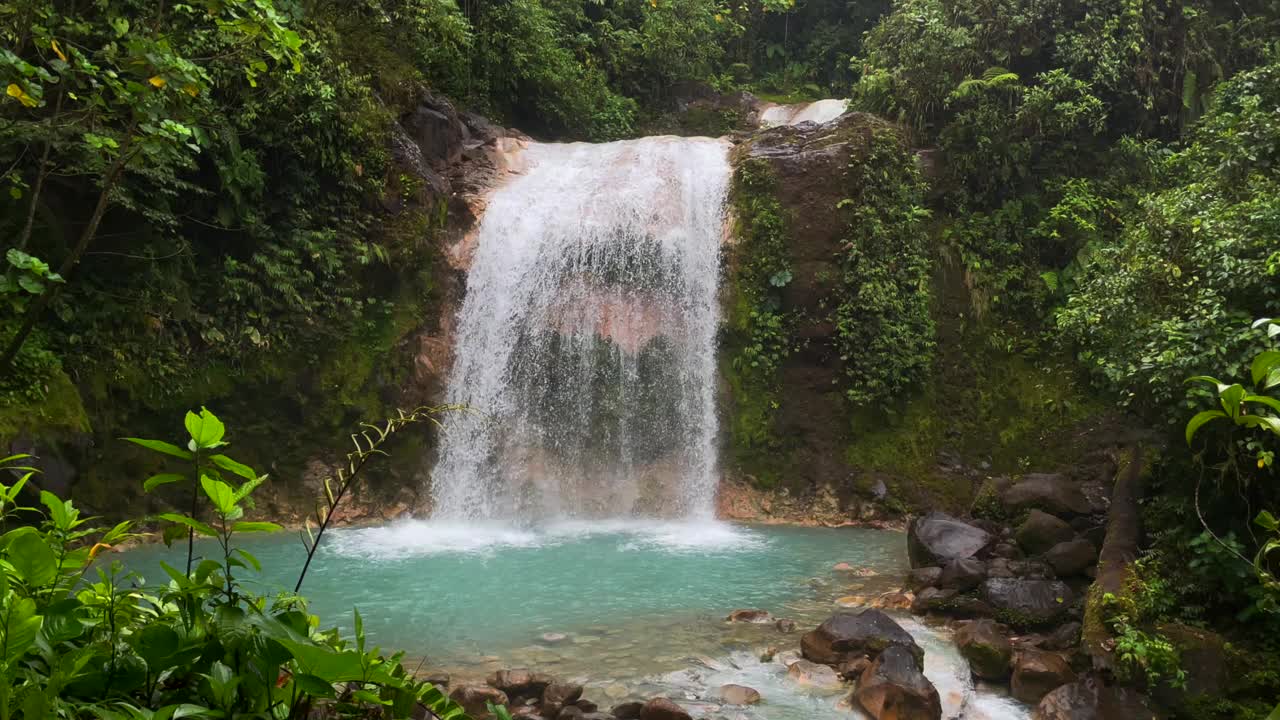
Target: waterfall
<point x="586" y="340"/>
<point x="819" y="112"/>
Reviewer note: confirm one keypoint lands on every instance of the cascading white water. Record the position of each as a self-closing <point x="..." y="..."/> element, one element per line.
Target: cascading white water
<point x="817" y="112"/>
<point x="586" y="340"/>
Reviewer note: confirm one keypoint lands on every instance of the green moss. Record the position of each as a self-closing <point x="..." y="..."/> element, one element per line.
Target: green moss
<point x="57" y="410"/>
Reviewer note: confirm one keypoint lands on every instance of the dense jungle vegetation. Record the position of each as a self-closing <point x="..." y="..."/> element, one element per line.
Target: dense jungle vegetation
<point x="193" y="204"/>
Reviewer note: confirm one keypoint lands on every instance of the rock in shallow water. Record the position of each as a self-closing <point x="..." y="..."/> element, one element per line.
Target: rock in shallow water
<point x="812" y="675"/>
<point x="474" y="698"/>
<point x="663" y="709"/>
<point x="1036" y="673"/>
<point x="988" y="651"/>
<point x="846" y="636"/>
<point x="732" y="694"/>
<point x="627" y="710"/>
<point x="894" y="688"/>
<point x="750" y="616"/>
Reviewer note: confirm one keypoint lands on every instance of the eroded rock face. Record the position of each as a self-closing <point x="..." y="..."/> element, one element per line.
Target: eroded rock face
<point x="1027" y="602"/>
<point x="1036" y="673"/>
<point x="985" y="646"/>
<point x="894" y="688"/>
<point x="938" y="538"/>
<point x="847" y="636"/>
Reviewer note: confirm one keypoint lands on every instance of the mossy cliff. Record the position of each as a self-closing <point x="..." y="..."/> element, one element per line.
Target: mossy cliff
<point x="855" y="361"/>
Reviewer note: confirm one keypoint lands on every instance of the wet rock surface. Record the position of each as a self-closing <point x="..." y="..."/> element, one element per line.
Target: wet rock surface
<point x="848" y="636"/>
<point x="1036" y="673"/>
<point x="894" y="688"/>
<point x="984" y="644"/>
<point x="938" y="538"/>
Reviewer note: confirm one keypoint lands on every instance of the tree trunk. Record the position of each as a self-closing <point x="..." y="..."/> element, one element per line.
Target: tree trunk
<point x="42" y="303"/>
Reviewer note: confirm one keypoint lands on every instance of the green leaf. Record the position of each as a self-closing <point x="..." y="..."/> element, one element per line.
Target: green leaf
<point x="1270" y="402"/>
<point x="20" y="627"/>
<point x="1199" y="420"/>
<point x="59" y="511"/>
<point x="156" y="643"/>
<point x="1267" y="521"/>
<point x="1231" y="397"/>
<point x="220" y="494"/>
<point x="161" y="446"/>
<point x="230" y="465"/>
<point x="206" y="429"/>
<point x="249" y="558"/>
<point x="255" y="527"/>
<point x="190" y="522"/>
<point x="33" y="559"/>
<point x="156" y="481"/>
<point x="314" y="686"/>
<point x="1263" y="364"/>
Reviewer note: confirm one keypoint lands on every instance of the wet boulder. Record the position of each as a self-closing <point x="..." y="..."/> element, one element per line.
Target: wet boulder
<point x="963" y="574"/>
<point x="1072" y="557"/>
<point x="846" y="636"/>
<point x="1041" y="531"/>
<point x="628" y="710"/>
<point x="559" y="694"/>
<point x="813" y="675"/>
<point x="921" y="578"/>
<point x="1050" y="492"/>
<point x="938" y="538"/>
<point x="759" y="617"/>
<point x="1036" y="673"/>
<point x="663" y="709"/>
<point x="985" y="646"/>
<point x="520" y="682"/>
<point x="1089" y="699"/>
<point x="895" y="688"/>
<point x="932" y="599"/>
<point x="1025" y="602"/>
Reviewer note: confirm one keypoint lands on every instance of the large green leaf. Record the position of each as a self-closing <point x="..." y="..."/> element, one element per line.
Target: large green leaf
<point x="161" y="446"/>
<point x="238" y="468"/>
<point x="254" y="527"/>
<point x="1263" y="364"/>
<point x="1199" y="420"/>
<point x="206" y="429"/>
<point x="19" y="626"/>
<point x="220" y="494"/>
<point x="33" y="559"/>
<point x="155" y="643"/>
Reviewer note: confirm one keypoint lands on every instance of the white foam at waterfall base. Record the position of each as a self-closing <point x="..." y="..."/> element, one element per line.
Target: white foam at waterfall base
<point x="586" y="339"/>
<point x="409" y="539"/>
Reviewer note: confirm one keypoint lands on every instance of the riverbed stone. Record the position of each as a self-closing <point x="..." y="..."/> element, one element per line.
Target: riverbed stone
<point x="963" y="574"/>
<point x="1041" y="531"/>
<point x="758" y="617"/>
<point x="852" y="669"/>
<point x="785" y="625"/>
<point x="559" y="694"/>
<point x="1050" y="492"/>
<point x="570" y="712"/>
<point x="813" y="675"/>
<point x="475" y="698"/>
<point x="931" y="599"/>
<point x="1072" y="557"/>
<point x="985" y="646"/>
<point x="663" y="709"/>
<point x="921" y="578"/>
<point x="1036" y="673"/>
<point x="1065" y="637"/>
<point x="628" y="710"/>
<point x="1090" y="699"/>
<point x="1026" y="602"/>
<point x="848" y="635"/>
<point x="938" y="538"/>
<point x="895" y="688"/>
<point x="733" y="694"/>
<point x="520" y="682"/>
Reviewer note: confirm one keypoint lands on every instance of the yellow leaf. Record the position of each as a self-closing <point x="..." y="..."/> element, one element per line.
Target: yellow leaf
<point x="54" y="44"/>
<point x="190" y="89"/>
<point x="15" y="91"/>
<point x="718" y="18"/>
<point x="157" y="81"/>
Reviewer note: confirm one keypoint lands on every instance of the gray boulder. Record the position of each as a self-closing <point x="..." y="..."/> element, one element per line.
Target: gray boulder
<point x="894" y="688"/>
<point x="963" y="574"/>
<point x="1072" y="557"/>
<point x="1041" y="531"/>
<point x="938" y="538"/>
<point x="1052" y="493"/>
<point x="847" y="636"/>
<point x="921" y="578"/>
<point x="1089" y="699"/>
<point x="1025" y="602"/>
